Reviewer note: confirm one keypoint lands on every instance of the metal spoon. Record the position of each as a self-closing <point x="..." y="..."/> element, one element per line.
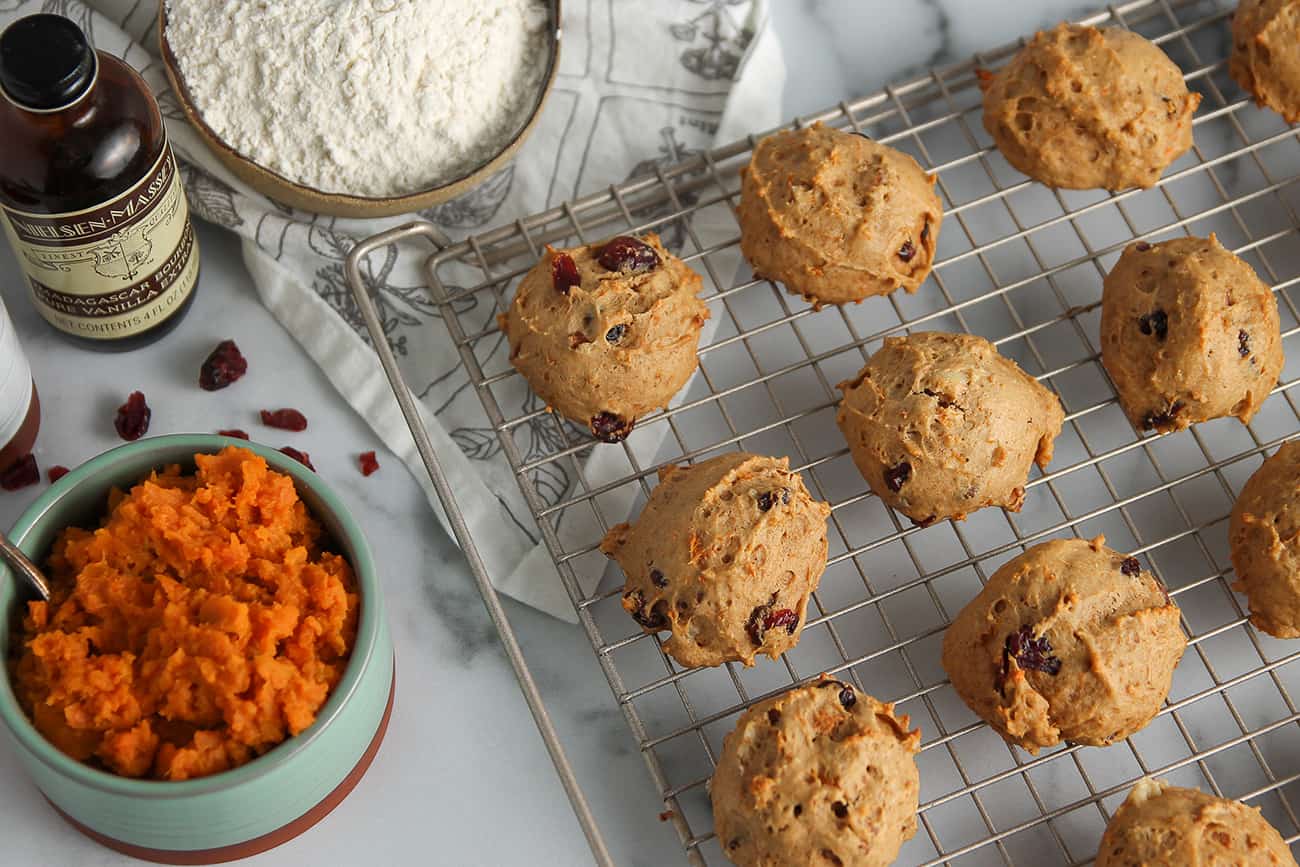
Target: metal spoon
<point x="24" y="567"/>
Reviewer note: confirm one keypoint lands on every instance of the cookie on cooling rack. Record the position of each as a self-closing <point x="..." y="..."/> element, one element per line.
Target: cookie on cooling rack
<point x="1264" y="534"/>
<point x="1070" y="641"/>
<point x="837" y="217"/>
<point x="724" y="556"/>
<point x="1265" y="60"/>
<point x="608" y="332"/>
<point x="1081" y="107"/>
<point x="818" y="775"/>
<point x="1188" y="333"/>
<point x="1163" y="824"/>
<point x="941" y="425"/>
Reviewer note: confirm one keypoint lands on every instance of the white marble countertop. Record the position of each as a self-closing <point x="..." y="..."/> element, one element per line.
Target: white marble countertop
<point x="463" y="777"/>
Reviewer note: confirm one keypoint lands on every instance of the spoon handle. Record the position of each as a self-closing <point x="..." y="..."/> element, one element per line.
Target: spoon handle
<point x="24" y="567"/>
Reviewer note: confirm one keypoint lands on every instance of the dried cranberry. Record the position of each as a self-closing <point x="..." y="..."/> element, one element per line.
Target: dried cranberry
<point x="56" y="472"/>
<point x="301" y="457"/>
<point x="1243" y="344"/>
<point x="754" y="625"/>
<point x="654" y="619"/>
<point x="782" y="617"/>
<point x="615" y="334"/>
<point x="284" y="419"/>
<point x="564" y="273"/>
<point x="233" y="432"/>
<point x="1030" y="652"/>
<point x="907" y="251"/>
<point x="223" y="366"/>
<point x="1163" y="418"/>
<point x="1156" y="322"/>
<point x="369" y="463"/>
<point x="848" y="698"/>
<point x="22" y="473"/>
<point x="773" y="716"/>
<point x="628" y="255"/>
<point x="657" y="578"/>
<point x="1142" y="246"/>
<point x="840" y="809"/>
<point x="1130" y="566"/>
<point x="132" y="420"/>
<point x="896" y="477"/>
<point x="609" y="428"/>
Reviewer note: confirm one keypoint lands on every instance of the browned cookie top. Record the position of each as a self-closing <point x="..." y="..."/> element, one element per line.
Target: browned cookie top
<point x="837" y="217"/>
<point x="608" y="332"/>
<point x="1188" y="333"/>
<point x="1081" y="107"/>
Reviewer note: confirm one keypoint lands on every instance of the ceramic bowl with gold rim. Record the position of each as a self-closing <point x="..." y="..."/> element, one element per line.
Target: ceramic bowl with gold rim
<point x="257" y="805"/>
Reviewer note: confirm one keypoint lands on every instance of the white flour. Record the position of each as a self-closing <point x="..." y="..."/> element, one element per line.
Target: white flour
<point x="364" y="97"/>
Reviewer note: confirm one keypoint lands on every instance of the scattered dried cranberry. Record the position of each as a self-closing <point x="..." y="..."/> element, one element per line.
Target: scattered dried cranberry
<point x="21" y="474"/>
<point x="754" y="625"/>
<point x="785" y="617"/>
<point x="564" y="273"/>
<point x="1156" y="322"/>
<point x="907" y="251"/>
<point x="1142" y="246"/>
<point x="1163" y="418"/>
<point x="654" y="619"/>
<point x="284" y="419"/>
<point x="628" y="255"/>
<point x="222" y="367"/>
<point x="132" y="420"/>
<point x="609" y="428"/>
<point x="301" y="457"/>
<point x="233" y="432"/>
<point x="615" y="334"/>
<point x="1130" y="566"/>
<point x="369" y="463"/>
<point x="1030" y="653"/>
<point x="896" y="477"/>
<point x="840" y="809"/>
<point x="848" y="698"/>
<point x="1243" y="344"/>
<point x="56" y="472"/>
<point x="768" y="499"/>
<point x="657" y="578"/>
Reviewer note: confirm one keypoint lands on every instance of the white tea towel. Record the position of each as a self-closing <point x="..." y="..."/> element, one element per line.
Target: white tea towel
<point x="640" y="85"/>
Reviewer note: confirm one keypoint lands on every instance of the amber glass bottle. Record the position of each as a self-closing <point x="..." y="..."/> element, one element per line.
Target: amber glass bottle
<point x="91" y="199"/>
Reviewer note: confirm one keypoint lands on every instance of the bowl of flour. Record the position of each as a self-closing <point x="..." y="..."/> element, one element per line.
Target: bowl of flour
<point x="361" y="108"/>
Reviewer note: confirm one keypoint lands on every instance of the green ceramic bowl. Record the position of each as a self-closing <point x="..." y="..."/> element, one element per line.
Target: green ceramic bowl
<point x="250" y="808"/>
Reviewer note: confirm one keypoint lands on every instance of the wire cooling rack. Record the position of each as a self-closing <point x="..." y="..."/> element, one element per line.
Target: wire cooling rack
<point x="1021" y="265"/>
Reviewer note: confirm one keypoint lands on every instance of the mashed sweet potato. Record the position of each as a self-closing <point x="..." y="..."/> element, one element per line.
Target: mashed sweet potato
<point x="199" y="626"/>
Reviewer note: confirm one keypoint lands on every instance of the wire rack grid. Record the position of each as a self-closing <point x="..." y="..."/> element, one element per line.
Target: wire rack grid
<point x="1021" y="265"/>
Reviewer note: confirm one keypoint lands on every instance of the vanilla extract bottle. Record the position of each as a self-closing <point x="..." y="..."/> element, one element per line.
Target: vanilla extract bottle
<point x="90" y="196"/>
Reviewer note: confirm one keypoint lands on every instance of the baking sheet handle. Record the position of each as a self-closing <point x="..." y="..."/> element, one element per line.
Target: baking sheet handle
<point x="460" y="529"/>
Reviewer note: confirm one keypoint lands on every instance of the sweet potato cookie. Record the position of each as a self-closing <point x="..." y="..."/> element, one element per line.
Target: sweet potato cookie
<point x="1070" y="641"/>
<point x="1265" y="537"/>
<point x="1163" y="824"/>
<point x="1265" y="57"/>
<point x="1188" y="333"/>
<point x="724" y="556"/>
<point x="606" y="333"/>
<point x="819" y="775"/>
<point x="1082" y="108"/>
<point x="941" y="425"/>
<point x="837" y="217"/>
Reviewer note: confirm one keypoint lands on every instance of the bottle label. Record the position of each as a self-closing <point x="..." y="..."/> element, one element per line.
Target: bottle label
<point x="116" y="269"/>
<point x="15" y="381"/>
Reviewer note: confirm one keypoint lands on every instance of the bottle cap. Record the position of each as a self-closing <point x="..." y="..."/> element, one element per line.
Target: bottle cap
<point x="46" y="63"/>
